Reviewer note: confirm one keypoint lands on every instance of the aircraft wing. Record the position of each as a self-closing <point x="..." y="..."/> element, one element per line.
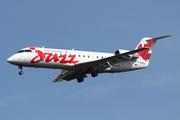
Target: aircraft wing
<point x="97" y="64"/>
<point x="106" y="62"/>
<point x="67" y="75"/>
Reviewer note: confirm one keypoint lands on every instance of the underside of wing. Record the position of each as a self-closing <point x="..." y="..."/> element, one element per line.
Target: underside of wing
<point x="68" y="75"/>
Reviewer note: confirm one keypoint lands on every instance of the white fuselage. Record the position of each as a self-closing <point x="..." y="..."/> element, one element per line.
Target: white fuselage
<point x="76" y="64"/>
<point x="67" y="59"/>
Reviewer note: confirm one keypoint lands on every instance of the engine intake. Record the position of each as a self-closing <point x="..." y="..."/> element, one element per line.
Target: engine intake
<point x="119" y="51"/>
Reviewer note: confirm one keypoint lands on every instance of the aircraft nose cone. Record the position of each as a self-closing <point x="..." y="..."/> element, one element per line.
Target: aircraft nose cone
<point x="9" y="60"/>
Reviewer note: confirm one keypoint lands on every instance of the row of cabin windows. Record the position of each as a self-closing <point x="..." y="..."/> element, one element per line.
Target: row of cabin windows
<point x="75" y="55"/>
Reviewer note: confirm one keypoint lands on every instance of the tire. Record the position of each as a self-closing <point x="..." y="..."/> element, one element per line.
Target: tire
<point x="21" y="72"/>
<point x="94" y="74"/>
<point x="80" y="79"/>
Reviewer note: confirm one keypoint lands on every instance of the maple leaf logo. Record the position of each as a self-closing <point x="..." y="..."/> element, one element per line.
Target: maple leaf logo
<point x="145" y="54"/>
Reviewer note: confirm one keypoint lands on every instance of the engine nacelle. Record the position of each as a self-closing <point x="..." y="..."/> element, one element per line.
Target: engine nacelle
<point x="119" y="51"/>
<point x="133" y="56"/>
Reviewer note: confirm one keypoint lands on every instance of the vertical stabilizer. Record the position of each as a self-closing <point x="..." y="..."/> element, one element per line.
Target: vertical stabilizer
<point x="148" y="42"/>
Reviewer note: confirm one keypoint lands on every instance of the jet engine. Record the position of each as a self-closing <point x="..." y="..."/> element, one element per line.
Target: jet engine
<point x="119" y="51"/>
<point x="132" y="56"/>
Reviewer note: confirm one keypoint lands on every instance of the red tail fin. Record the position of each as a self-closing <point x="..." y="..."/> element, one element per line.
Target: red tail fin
<point x="145" y="54"/>
<point x="148" y="42"/>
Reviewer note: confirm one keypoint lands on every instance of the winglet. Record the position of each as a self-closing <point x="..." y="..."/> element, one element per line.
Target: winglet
<point x="58" y="75"/>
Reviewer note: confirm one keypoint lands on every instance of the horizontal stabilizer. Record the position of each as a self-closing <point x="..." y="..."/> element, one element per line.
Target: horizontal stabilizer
<point x="162" y="37"/>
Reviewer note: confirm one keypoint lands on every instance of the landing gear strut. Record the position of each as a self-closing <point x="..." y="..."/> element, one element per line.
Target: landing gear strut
<point x="20" y="72"/>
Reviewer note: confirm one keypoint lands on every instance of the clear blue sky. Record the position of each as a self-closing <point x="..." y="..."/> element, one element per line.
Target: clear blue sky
<point x="95" y="25"/>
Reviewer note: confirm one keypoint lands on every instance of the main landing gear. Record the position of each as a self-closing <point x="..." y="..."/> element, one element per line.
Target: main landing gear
<point x="20" y="72"/>
<point x="94" y="73"/>
<point x="80" y="79"/>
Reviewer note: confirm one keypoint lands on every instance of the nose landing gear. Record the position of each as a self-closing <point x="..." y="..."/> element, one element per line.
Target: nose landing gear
<point x="20" y="72"/>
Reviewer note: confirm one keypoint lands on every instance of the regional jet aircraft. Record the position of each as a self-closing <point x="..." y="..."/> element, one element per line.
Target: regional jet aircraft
<point x="77" y="64"/>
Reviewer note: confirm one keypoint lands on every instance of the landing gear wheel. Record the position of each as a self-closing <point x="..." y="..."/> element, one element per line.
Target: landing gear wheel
<point x="80" y="79"/>
<point x="94" y="74"/>
<point x="21" y="72"/>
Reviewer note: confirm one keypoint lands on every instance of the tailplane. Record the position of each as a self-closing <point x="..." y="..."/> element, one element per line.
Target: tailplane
<point x="148" y="42"/>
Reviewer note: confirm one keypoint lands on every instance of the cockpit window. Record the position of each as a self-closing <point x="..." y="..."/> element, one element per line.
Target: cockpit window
<point x="20" y="51"/>
<point x="24" y="51"/>
<point x="27" y="51"/>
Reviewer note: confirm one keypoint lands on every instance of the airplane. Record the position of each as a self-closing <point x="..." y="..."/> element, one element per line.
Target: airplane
<point x="77" y="64"/>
